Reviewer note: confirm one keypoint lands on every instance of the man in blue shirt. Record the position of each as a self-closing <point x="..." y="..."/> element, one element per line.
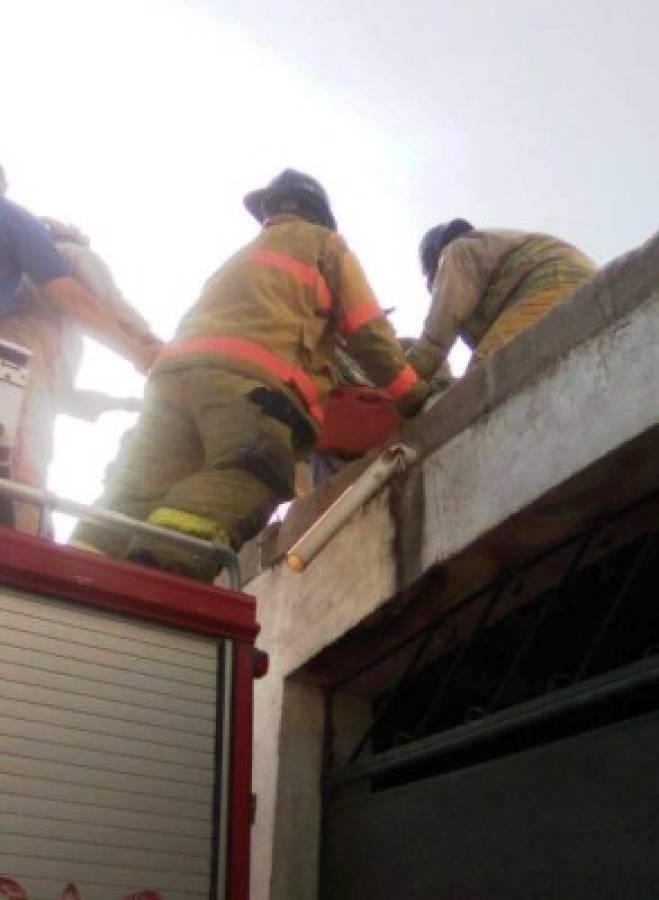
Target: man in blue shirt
<point x="26" y="248"/>
<point x="50" y="295"/>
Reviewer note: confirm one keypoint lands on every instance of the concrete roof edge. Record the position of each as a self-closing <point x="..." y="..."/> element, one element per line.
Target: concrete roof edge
<point x="617" y="289"/>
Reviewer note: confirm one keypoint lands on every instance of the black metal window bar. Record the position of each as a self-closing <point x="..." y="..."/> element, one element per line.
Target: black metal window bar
<point x="597" y="617"/>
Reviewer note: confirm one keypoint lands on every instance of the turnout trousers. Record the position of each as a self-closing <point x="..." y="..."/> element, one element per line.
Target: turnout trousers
<point x="212" y="456"/>
<point x="551" y="283"/>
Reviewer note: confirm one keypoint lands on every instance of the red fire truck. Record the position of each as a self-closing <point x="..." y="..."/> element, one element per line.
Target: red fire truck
<point x="125" y="729"/>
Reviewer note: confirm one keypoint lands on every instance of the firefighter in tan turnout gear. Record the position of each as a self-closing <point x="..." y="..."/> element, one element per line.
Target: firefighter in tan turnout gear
<point x="240" y="392"/>
<point x="488" y="286"/>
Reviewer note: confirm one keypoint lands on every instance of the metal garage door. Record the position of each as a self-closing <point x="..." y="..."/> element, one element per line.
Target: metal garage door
<point x="578" y="818"/>
<point x="523" y="763"/>
<point x="107" y="752"/>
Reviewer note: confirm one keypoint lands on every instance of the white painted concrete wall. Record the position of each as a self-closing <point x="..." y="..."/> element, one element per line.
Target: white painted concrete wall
<point x="299" y="615"/>
<point x="602" y="394"/>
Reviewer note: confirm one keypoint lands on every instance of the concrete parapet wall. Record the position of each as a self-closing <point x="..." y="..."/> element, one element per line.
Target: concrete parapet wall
<point x="563" y="397"/>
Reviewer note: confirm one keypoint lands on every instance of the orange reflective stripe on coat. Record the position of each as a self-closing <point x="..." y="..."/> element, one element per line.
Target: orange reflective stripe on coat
<point x="250" y="352"/>
<point x="303" y="273"/>
<point x="401" y="384"/>
<point x="361" y="315"/>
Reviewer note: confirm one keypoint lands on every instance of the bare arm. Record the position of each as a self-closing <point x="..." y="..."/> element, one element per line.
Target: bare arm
<point x="90" y="270"/>
<point x="84" y="308"/>
<point x="89" y="405"/>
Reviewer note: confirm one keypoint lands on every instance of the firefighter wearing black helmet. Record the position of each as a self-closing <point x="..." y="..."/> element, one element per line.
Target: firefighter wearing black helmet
<point x="241" y="390"/>
<point x="487" y="286"/>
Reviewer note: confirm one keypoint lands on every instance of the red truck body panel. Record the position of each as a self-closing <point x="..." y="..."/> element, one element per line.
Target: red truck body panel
<point x="38" y="568"/>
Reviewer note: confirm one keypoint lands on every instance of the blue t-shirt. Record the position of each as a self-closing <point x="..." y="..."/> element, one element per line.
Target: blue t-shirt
<point x="26" y="248"/>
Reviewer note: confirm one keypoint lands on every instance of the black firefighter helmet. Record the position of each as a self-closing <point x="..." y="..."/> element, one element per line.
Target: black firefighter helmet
<point x="293" y="185"/>
<point x="434" y="241"/>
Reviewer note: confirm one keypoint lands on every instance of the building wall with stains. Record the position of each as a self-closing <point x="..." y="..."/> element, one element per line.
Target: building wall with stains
<point x="521" y="453"/>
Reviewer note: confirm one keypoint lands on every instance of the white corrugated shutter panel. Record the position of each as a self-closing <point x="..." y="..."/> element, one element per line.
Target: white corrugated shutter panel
<point x="107" y="729"/>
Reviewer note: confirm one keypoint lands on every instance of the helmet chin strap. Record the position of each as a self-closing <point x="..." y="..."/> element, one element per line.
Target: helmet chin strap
<point x="289" y="206"/>
<point x="273" y="206"/>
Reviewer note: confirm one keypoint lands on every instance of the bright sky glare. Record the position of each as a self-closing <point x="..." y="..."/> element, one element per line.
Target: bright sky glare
<point x="159" y="119"/>
<point x="145" y="121"/>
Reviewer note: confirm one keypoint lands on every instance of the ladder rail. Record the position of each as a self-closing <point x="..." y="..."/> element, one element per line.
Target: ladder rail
<point x="224" y="554"/>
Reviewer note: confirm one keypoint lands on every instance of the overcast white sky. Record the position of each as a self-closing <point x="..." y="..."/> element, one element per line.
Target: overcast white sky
<point x="145" y="121"/>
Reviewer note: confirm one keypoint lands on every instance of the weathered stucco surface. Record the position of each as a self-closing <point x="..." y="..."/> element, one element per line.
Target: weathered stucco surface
<point x="593" y="401"/>
<point x="552" y="405"/>
<point x="299" y="615"/>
